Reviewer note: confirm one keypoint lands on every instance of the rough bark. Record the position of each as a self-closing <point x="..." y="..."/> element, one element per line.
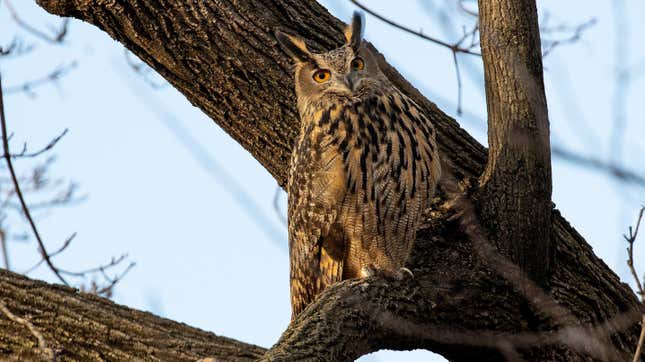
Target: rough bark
<point x="223" y="57"/>
<point x="82" y="327"/>
<point x="515" y="196"/>
<point x="459" y="307"/>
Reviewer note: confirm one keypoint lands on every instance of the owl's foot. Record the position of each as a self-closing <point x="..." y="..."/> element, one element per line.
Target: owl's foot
<point x="404" y="273"/>
<point x="401" y="274"/>
<point x="368" y="271"/>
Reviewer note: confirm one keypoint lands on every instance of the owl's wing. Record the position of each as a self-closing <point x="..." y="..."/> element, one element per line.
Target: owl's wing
<point x="415" y="167"/>
<point x="402" y="177"/>
<point x="316" y="242"/>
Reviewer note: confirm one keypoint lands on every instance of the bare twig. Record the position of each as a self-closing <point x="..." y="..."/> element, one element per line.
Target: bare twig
<point x="614" y="170"/>
<point x="453" y="47"/>
<point x="108" y="289"/>
<point x="101" y="268"/>
<point x="49" y="146"/>
<point x="622" y="80"/>
<point x="465" y="9"/>
<point x="631" y="239"/>
<point x="37" y="181"/>
<point x="60" y="250"/>
<point x="42" y="343"/>
<point x="53" y="77"/>
<point x="143" y="70"/>
<point x="15" y="48"/>
<point x="25" y="209"/>
<point x="65" y="197"/>
<point x="459" y="89"/>
<point x="55" y="38"/>
<point x="576" y="34"/>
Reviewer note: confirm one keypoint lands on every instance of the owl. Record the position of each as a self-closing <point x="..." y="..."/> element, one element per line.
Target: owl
<point x="364" y="168"/>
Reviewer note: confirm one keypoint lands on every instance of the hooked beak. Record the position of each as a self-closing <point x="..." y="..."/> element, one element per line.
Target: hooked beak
<point x="350" y="80"/>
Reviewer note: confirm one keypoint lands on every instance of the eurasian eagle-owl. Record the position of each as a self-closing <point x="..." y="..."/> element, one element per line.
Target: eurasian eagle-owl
<point x="364" y="168"/>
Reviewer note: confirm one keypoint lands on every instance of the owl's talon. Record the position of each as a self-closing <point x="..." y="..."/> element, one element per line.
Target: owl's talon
<point x="404" y="273"/>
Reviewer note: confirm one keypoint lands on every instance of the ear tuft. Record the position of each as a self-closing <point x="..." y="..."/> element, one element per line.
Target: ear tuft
<point x="354" y="31"/>
<point x="294" y="46"/>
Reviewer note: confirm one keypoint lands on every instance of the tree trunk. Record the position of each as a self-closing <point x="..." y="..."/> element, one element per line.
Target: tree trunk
<point x="515" y="196"/>
<point x="464" y="302"/>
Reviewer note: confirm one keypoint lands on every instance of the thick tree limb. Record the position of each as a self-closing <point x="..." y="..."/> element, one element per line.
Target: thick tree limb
<point x="82" y="327"/>
<point x="452" y="307"/>
<point x="223" y="57"/>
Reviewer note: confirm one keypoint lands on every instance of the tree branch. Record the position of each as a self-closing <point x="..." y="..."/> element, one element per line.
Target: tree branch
<point x="16" y="186"/>
<point x="83" y="327"/>
<point x="55" y="38"/>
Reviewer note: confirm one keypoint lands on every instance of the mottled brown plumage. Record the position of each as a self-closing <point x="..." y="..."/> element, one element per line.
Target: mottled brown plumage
<point x="364" y="167"/>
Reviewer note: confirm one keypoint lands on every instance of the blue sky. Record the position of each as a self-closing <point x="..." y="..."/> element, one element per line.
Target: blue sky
<point x="195" y="211"/>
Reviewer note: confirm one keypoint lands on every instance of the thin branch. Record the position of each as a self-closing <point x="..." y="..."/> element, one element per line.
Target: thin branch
<point x="618" y="172"/>
<point x="101" y="268"/>
<point x="472" y="34"/>
<point x="25" y="209"/>
<point x="453" y="47"/>
<point x="60" y="250"/>
<point x="42" y="343"/>
<point x="64" y="198"/>
<point x="49" y="146"/>
<point x="143" y="70"/>
<point x="52" y="77"/>
<point x="39" y="183"/>
<point x="55" y="38"/>
<point x="465" y="9"/>
<point x="107" y="290"/>
<point x="549" y="45"/>
<point x="622" y="80"/>
<point x="15" y="48"/>
<point x="459" y="88"/>
<point x="631" y="239"/>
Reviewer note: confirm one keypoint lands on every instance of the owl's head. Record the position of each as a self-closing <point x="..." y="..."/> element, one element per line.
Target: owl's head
<point x="344" y="74"/>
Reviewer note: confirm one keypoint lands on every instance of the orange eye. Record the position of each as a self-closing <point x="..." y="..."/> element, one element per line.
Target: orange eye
<point x="358" y="64"/>
<point x="322" y="75"/>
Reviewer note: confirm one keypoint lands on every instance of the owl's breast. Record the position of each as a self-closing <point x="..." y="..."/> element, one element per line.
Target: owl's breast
<point x="380" y="139"/>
